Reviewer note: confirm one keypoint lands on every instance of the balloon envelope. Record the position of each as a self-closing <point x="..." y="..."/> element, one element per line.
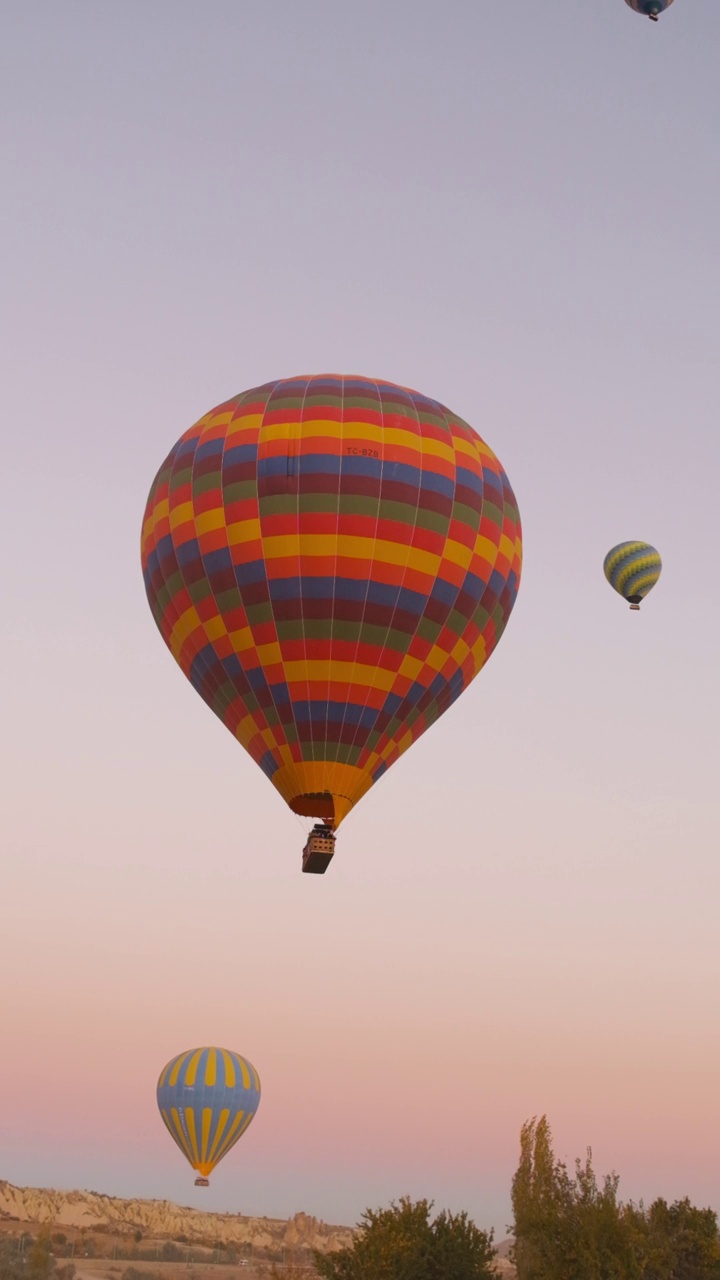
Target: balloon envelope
<point x="632" y="569"/>
<point x="650" y="8"/>
<point x="207" y="1099"/>
<point x="331" y="560"/>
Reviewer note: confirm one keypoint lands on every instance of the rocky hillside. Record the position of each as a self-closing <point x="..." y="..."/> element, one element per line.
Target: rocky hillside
<point x="160" y="1218"/>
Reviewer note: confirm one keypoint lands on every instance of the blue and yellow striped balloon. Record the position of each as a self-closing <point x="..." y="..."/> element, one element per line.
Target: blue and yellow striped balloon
<point x="632" y="569"/>
<point x="207" y="1099"/>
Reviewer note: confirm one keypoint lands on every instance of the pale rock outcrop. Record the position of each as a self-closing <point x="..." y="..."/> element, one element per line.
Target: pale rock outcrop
<point x="159" y="1218"/>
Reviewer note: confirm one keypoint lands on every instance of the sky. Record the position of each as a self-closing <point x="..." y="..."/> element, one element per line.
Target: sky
<point x="512" y="207"/>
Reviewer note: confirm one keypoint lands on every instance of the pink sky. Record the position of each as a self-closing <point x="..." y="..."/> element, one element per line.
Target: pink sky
<point x="522" y="917"/>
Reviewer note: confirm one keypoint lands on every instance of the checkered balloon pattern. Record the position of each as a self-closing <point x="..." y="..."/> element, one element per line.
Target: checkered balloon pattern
<point x="331" y="560"/>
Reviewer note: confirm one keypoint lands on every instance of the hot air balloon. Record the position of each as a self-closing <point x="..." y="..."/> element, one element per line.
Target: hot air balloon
<point x="207" y="1099"/>
<point x="632" y="569"/>
<point x="650" y="8"/>
<point x="331" y="560"/>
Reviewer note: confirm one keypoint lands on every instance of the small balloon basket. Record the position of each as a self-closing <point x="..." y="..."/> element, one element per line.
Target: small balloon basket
<point x="202" y="1182"/>
<point x="319" y="850"/>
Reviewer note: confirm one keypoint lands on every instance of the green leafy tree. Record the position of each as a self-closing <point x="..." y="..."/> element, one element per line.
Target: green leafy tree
<point x="674" y="1242"/>
<point x="574" y="1228"/>
<point x="541" y="1201"/>
<point x="599" y="1223"/>
<point x="402" y="1243"/>
<point x="567" y="1228"/>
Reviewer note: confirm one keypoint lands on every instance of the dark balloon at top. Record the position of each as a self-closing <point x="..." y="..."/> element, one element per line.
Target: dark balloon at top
<point x="650" y="8"/>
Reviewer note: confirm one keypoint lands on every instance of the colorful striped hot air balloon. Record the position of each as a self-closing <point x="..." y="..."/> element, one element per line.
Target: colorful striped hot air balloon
<point x="632" y="569"/>
<point x="207" y="1099"/>
<point x="650" y="8"/>
<point x="331" y="560"/>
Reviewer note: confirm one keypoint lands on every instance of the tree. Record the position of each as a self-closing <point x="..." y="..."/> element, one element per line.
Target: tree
<point x="677" y="1241"/>
<point x="541" y="1201"/>
<point x="692" y="1237"/>
<point x="402" y="1243"/>
<point x="567" y="1228"/>
<point x="572" y="1228"/>
<point x="41" y="1260"/>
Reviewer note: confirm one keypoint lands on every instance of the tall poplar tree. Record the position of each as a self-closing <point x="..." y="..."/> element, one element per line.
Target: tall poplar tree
<point x="572" y="1228"/>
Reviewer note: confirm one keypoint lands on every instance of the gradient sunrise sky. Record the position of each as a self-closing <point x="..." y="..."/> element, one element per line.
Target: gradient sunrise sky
<point x="513" y="207"/>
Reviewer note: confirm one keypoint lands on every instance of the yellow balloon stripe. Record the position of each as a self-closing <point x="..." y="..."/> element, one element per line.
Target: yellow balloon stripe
<point x="243" y="1070"/>
<point x="245" y="1125"/>
<point x="644" y="584"/>
<point x="229" y="1069"/>
<point x="179" y="1134"/>
<point x="625" y="549"/>
<point x="222" y="1122"/>
<point x="177" y="1067"/>
<point x="168" y="1125"/>
<point x="190" y="1122"/>
<point x="350" y="547"/>
<point x="211" y="1068"/>
<point x="231" y="1137"/>
<point x="207" y="1116"/>
<point x="191" y="1073"/>
<point x="647" y="562"/>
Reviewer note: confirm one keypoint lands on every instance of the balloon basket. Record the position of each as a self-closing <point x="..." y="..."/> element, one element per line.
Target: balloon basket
<point x="319" y="850"/>
<point x="202" y="1182"/>
<point x="636" y="607"/>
